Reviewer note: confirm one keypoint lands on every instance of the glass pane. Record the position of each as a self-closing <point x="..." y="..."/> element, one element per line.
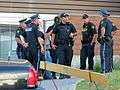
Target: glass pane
<point x="7" y="40"/>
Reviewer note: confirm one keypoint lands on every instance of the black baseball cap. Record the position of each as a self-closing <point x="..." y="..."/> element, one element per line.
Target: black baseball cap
<point x="28" y="22"/>
<point x="23" y="20"/>
<point x="85" y="16"/>
<point x="34" y="17"/>
<point x="64" y="15"/>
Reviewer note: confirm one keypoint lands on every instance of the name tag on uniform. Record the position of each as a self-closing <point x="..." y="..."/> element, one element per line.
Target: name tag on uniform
<point x="28" y="29"/>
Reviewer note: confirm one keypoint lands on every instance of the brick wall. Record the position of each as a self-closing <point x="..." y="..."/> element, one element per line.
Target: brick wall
<point x="77" y="21"/>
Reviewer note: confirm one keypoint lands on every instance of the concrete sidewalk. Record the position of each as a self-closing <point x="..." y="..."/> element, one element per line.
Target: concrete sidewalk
<point x="63" y="84"/>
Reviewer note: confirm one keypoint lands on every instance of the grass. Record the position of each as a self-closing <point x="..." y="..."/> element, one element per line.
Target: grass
<point x="113" y="80"/>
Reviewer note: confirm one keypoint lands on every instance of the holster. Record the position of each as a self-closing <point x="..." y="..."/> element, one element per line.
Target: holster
<point x="100" y="40"/>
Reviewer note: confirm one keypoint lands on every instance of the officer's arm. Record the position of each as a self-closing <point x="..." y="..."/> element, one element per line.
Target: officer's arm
<point x="103" y="27"/>
<point x="94" y="38"/>
<point x="17" y="36"/>
<point x="23" y="41"/>
<point x="52" y="41"/>
<point x="102" y="32"/>
<point x="49" y="30"/>
<point x="74" y="32"/>
<point x="52" y="38"/>
<point x="41" y="43"/>
<point x="54" y="32"/>
<point x="48" y="34"/>
<point x="94" y="34"/>
<point x="18" y="40"/>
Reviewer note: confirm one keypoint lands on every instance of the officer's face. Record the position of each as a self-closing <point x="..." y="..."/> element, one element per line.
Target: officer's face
<point x="36" y="21"/>
<point x="23" y="25"/>
<point x="65" y="19"/>
<point x="86" y="20"/>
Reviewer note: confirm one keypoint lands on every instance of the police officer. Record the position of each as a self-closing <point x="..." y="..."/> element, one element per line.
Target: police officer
<point x="34" y="41"/>
<point x="62" y="33"/>
<point x="23" y="37"/>
<point x="20" y="29"/>
<point x="88" y="43"/>
<point x="52" y="51"/>
<point x="105" y="40"/>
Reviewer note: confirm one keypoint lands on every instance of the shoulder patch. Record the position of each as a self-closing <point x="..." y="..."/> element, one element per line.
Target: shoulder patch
<point x="18" y="31"/>
<point x="93" y="27"/>
<point x="28" y="29"/>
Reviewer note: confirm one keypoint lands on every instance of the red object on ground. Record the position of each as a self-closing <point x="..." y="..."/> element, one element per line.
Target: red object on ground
<point x="32" y="80"/>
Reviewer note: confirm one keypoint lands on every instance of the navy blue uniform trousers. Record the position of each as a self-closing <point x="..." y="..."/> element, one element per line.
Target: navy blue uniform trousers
<point x="33" y="56"/>
<point x="64" y="53"/>
<point x="87" y="51"/>
<point x="106" y="54"/>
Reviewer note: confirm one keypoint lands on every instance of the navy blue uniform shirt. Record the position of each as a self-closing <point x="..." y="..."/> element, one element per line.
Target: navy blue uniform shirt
<point x="32" y="35"/>
<point x="88" y="32"/>
<point x="107" y="24"/>
<point x="63" y="31"/>
<point x="19" y="32"/>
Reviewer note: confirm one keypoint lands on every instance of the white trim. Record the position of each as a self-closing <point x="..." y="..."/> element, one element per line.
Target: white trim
<point x="104" y="57"/>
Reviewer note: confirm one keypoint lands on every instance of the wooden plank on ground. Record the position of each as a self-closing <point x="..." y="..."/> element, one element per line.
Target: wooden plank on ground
<point x="88" y="75"/>
<point x="98" y="78"/>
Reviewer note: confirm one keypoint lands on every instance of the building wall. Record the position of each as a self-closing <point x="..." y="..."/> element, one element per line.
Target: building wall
<point x="58" y="6"/>
<point x="77" y="21"/>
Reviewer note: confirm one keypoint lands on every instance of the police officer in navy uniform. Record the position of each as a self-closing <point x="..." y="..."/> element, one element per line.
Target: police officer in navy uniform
<point x="88" y="43"/>
<point x="34" y="42"/>
<point x="62" y="33"/>
<point x="23" y="36"/>
<point x="37" y="44"/>
<point x="20" y="29"/>
<point x="105" y="40"/>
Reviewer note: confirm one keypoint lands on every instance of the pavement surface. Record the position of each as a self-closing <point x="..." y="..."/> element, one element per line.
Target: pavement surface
<point x="58" y="84"/>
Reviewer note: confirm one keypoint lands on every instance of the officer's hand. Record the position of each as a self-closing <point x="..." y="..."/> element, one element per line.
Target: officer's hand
<point x="42" y="50"/>
<point x="25" y="45"/>
<point x="54" y="46"/>
<point x="71" y="35"/>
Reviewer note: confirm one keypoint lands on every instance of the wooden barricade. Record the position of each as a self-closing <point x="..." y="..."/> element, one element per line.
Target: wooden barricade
<point x="85" y="74"/>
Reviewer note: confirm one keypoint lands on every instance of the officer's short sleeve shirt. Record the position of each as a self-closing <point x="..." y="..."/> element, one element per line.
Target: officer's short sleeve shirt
<point x="107" y="24"/>
<point x="55" y="29"/>
<point x="37" y="32"/>
<point x="19" y="32"/>
<point x="103" y="24"/>
<point x="73" y="29"/>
